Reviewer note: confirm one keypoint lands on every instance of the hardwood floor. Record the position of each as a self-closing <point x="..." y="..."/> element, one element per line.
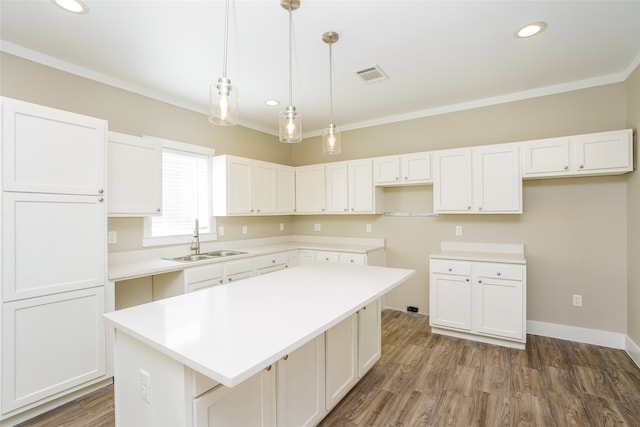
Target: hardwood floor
<point x="431" y="380"/>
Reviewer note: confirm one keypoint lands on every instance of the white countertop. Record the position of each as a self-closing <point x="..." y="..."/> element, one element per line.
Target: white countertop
<point x="157" y="265"/>
<point x="231" y="332"/>
<point x="484" y="252"/>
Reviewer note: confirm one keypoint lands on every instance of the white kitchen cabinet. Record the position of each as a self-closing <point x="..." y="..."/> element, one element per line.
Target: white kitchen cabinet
<point x="602" y="153"/>
<point x="341" y="362"/>
<point x="327" y="257"/>
<point x="352" y="258"/>
<point x="300" y="386"/>
<point x="479" y="299"/>
<point x="250" y="403"/>
<point x="369" y="337"/>
<point x="310" y="189"/>
<point x="270" y="263"/>
<point x="404" y="169"/>
<point x="51" y="243"/>
<point x="484" y="179"/>
<point x="350" y="189"/>
<point x="286" y="189"/>
<point x="51" y="151"/>
<point x="243" y="186"/>
<point x="51" y="344"/>
<point x="238" y="269"/>
<point x="134" y="172"/>
<point x="204" y="276"/>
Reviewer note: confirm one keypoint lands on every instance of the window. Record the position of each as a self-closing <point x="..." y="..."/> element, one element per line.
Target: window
<point x="186" y="195"/>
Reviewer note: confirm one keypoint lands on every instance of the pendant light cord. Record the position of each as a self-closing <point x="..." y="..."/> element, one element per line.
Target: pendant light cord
<point x="226" y="39"/>
<point x="290" y="57"/>
<point x="331" y="82"/>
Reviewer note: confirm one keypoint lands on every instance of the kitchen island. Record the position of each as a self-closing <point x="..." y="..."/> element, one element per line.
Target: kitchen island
<point x="279" y="349"/>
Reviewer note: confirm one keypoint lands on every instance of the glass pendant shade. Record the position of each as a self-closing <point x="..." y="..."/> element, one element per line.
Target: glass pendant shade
<point x="290" y="126"/>
<point x="223" y="103"/>
<point x="331" y="140"/>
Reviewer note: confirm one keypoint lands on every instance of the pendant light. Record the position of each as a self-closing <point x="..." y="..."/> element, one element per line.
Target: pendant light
<point x="330" y="135"/>
<point x="223" y="97"/>
<point x="290" y="122"/>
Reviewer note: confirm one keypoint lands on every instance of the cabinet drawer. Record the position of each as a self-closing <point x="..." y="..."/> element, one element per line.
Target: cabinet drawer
<point x="322" y="256"/>
<point x="202" y="273"/>
<point x="356" y="259"/>
<point x="500" y="271"/>
<point x="451" y="267"/>
<point x="239" y="266"/>
<point x="205" y="284"/>
<point x="271" y="260"/>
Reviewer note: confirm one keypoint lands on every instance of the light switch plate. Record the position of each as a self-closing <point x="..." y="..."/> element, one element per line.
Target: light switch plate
<point x="458" y="230"/>
<point x="112" y="237"/>
<point x="316" y="227"/>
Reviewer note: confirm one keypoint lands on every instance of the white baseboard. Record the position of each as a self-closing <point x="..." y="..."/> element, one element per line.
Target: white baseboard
<point x="633" y="350"/>
<point x="574" y="333"/>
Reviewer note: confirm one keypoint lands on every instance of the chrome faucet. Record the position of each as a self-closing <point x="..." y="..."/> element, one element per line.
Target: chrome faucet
<point x="195" y="242"/>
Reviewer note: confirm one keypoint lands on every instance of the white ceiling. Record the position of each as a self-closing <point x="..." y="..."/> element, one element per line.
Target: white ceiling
<point x="440" y="55"/>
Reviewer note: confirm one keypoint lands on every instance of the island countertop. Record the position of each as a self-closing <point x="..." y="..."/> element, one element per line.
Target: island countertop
<point x="231" y="332"/>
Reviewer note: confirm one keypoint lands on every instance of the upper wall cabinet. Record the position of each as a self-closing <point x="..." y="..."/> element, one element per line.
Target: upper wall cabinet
<point x="286" y="189"/>
<point x="350" y="189"/>
<point x="603" y="153"/>
<point x="310" y="189"/>
<point x="405" y="169"/>
<point x="244" y="186"/>
<point x="484" y="179"/>
<point x="51" y="151"/>
<point x="134" y="172"/>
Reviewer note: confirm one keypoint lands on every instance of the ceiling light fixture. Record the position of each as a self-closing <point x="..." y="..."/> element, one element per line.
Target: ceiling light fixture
<point x="531" y="29"/>
<point x="223" y="97"/>
<point x="73" y="6"/>
<point x="330" y="135"/>
<point x="272" y="102"/>
<point x="290" y="122"/>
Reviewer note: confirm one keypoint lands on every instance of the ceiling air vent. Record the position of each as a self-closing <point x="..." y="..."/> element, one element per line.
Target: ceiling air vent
<point x="372" y="74"/>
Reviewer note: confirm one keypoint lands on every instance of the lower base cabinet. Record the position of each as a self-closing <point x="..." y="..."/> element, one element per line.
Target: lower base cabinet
<point x="341" y="359"/>
<point x="51" y="345"/>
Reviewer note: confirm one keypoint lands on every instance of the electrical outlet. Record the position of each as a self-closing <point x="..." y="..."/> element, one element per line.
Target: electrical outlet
<point x="368" y="228"/>
<point x="145" y="386"/>
<point x="244" y="229"/>
<point x="281" y="227"/>
<point x="458" y="230"/>
<point x="112" y="237"/>
<point x="577" y="300"/>
<point x="221" y="230"/>
<point x="316" y="227"/>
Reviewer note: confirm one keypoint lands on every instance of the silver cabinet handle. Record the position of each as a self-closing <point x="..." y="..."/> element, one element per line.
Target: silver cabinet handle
<point x="468" y="207"/>
<point x="397" y="178"/>
<point x="566" y="167"/>
<point x="100" y="191"/>
<point x="580" y="166"/>
<point x="479" y="281"/>
<point x="450" y="269"/>
<point x="285" y="357"/>
<point x="467" y="279"/>
<point x="480" y="208"/>
<point x="406" y="178"/>
<point x="100" y="199"/>
<point x="158" y="209"/>
<point x="498" y="273"/>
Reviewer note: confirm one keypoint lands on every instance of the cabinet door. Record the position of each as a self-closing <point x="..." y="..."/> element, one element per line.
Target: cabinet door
<point x="239" y="191"/>
<point x="369" y="337"/>
<point x="452" y="187"/>
<point x="300" y="386"/>
<point x="51" y="344"/>
<point x="251" y="403"/>
<point x="450" y="301"/>
<point x="499" y="307"/>
<point x="327" y="257"/>
<point x="337" y="194"/>
<point x="603" y="151"/>
<point x="134" y="175"/>
<point x="51" y="243"/>
<point x="264" y="188"/>
<point x="416" y="167"/>
<point x="361" y="190"/>
<point x="546" y="156"/>
<point x="51" y="151"/>
<point x="498" y="185"/>
<point x="341" y="359"/>
<point x="286" y="189"/>
<point x="386" y="170"/>
<point x="310" y="189"/>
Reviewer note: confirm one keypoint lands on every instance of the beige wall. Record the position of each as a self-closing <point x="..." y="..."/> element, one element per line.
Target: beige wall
<point x="574" y="230"/>
<point x="633" y="215"/>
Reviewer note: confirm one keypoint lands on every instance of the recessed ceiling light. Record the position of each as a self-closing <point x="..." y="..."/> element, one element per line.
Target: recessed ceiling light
<point x="73" y="6"/>
<point x="531" y="29"/>
<point x="272" y="102"/>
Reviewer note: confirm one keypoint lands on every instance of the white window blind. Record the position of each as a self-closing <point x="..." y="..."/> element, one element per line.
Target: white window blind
<point x="185" y="194"/>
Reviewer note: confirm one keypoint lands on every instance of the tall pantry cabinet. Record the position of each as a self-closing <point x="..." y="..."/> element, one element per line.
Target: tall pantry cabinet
<point x="53" y="254"/>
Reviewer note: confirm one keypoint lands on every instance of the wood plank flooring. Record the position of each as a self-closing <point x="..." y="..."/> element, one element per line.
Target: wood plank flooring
<point x="424" y="379"/>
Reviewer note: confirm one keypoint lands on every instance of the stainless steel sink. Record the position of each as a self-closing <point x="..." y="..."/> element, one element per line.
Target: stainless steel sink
<point x="190" y="258"/>
<point x="223" y="253"/>
<point x="206" y="255"/>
